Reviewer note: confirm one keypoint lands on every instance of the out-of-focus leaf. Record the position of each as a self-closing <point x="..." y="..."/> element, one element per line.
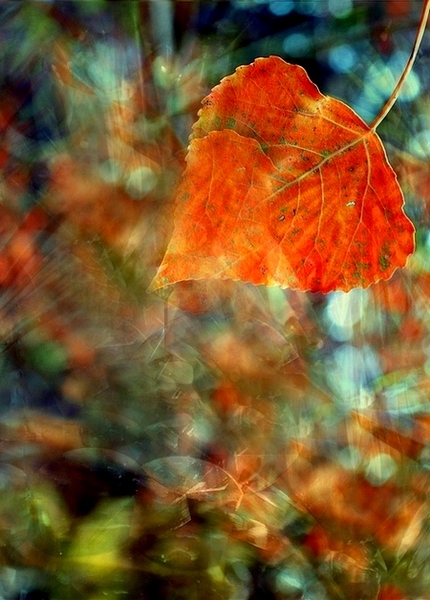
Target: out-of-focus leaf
<point x="34" y="523"/>
<point x="192" y="477"/>
<point x="34" y="30"/>
<point x="50" y="432"/>
<point x="99" y="541"/>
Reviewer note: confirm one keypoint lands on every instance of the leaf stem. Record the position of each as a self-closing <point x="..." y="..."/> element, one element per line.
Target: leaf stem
<point x="395" y="94"/>
<point x="166" y="325"/>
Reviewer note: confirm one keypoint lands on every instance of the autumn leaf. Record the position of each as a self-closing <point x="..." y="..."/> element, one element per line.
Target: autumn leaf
<point x="284" y="186"/>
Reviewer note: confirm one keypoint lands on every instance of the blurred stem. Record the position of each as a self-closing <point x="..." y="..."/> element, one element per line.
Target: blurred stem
<point x="166" y="325"/>
<point x="161" y="17"/>
<point x="408" y="68"/>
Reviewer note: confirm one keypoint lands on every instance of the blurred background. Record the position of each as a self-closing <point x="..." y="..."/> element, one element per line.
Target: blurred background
<point x="230" y="442"/>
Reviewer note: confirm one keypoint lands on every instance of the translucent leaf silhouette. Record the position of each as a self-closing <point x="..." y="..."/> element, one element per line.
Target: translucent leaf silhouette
<point x="192" y="477"/>
<point x="285" y="186"/>
<point x="98" y="541"/>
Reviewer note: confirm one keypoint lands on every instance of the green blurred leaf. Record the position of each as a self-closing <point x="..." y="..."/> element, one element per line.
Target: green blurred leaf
<point x="101" y="537"/>
<point x="47" y="357"/>
<point x="35" y="30"/>
<point x="33" y="520"/>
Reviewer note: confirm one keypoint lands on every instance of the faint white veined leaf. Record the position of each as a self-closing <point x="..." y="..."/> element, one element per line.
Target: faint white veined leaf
<point x="193" y="477"/>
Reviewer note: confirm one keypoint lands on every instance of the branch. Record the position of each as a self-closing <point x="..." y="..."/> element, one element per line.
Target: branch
<point x="417" y="43"/>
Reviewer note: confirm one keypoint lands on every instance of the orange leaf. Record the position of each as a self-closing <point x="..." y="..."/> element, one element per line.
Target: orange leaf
<point x="285" y="186"/>
<point x="391" y="592"/>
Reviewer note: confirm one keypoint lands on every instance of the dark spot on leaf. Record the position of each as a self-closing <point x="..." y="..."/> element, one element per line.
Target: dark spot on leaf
<point x="384" y="262"/>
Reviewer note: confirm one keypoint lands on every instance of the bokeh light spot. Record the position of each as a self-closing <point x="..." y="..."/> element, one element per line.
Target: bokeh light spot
<point x="343" y="311"/>
<point x="342" y="58"/>
<point x="311" y="7"/>
<point x="350" y="457"/>
<point x="140" y="182"/>
<point x="380" y="469"/>
<point x="281" y="7"/>
<point x="297" y="44"/>
<point x="110" y="171"/>
<point x="419" y="143"/>
<point x="340" y="8"/>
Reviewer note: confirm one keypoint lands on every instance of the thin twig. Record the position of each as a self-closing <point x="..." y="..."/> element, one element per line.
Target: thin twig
<point x="417" y="43"/>
<point x="166" y="325"/>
